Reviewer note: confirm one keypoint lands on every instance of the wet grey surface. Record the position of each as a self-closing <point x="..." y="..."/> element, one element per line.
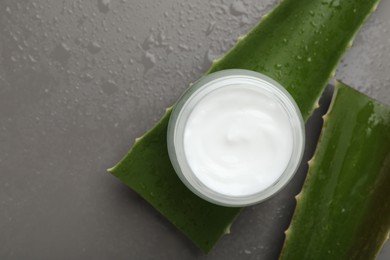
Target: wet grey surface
<point x="79" y="80"/>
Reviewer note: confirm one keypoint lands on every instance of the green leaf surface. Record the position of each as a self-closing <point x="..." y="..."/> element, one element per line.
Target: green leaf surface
<point x="343" y="211"/>
<point x="299" y="45"/>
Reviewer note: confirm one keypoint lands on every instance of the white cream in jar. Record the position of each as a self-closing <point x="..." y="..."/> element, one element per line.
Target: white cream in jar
<point x="235" y="137"/>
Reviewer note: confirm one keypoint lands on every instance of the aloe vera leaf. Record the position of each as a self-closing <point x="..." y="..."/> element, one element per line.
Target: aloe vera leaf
<point x="299" y="44"/>
<point x="292" y="45"/>
<point x="343" y="211"/>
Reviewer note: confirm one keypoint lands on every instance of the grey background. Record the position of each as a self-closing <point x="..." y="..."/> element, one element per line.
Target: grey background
<point x="79" y="80"/>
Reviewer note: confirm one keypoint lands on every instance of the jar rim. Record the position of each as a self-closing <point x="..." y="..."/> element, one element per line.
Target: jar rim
<point x="202" y="88"/>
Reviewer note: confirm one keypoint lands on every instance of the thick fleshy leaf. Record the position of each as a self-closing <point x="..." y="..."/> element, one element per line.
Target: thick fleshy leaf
<point x="299" y="45"/>
<point x="343" y="211"/>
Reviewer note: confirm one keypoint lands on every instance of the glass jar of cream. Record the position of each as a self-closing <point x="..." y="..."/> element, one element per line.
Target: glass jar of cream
<point x="236" y="137"/>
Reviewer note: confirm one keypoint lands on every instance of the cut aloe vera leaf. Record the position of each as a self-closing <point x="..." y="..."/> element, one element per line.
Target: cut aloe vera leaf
<point x="343" y="211"/>
<point x="292" y="45"/>
<point x="299" y="44"/>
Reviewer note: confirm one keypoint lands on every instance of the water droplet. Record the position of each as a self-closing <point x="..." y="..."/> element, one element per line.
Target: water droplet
<point x="148" y="60"/>
<point x="149" y="42"/>
<point x="244" y="20"/>
<point x="210" y="27"/>
<point x="209" y="57"/>
<point x="94" y="47"/>
<point x="86" y="77"/>
<point x="104" y="6"/>
<point x="368" y="131"/>
<point x="183" y="47"/>
<point x="169" y="49"/>
<point x="161" y="39"/>
<point x="32" y="59"/>
<point x="109" y="86"/>
<point x="238" y="8"/>
<point x="61" y="53"/>
<point x="336" y="4"/>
